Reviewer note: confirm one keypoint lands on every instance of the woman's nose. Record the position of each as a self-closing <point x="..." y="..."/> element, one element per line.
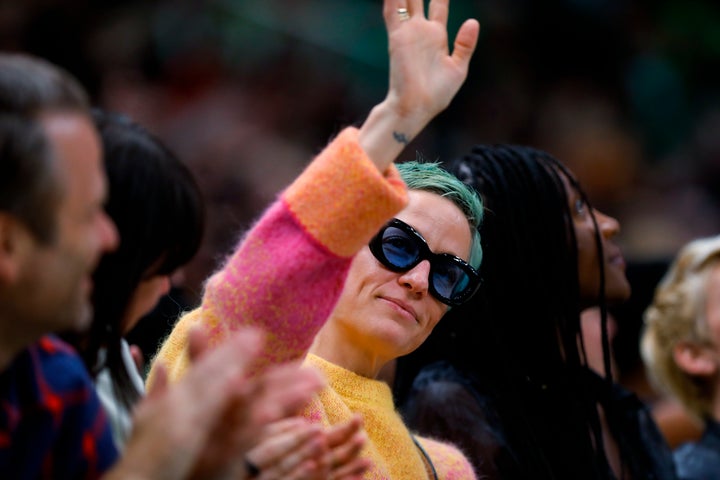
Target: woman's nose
<point x="417" y="279"/>
<point x="609" y="226"/>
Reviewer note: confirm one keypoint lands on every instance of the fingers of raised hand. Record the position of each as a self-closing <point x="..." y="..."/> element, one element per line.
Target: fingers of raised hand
<point x="465" y="42"/>
<point x="390" y="12"/>
<point x="438" y="11"/>
<point x="397" y="11"/>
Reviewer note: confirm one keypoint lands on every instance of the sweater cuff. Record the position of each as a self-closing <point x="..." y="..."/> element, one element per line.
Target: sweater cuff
<point x="342" y="199"/>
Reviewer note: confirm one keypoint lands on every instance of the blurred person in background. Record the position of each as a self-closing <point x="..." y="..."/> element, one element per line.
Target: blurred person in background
<point x="681" y="349"/>
<point x="157" y="208"/>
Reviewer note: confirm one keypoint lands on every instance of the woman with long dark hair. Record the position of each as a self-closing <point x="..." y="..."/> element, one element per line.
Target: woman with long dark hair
<point x="514" y="387"/>
<point x="158" y="210"/>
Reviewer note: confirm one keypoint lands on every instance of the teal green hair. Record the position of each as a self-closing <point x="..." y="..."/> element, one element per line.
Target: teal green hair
<point x="431" y="177"/>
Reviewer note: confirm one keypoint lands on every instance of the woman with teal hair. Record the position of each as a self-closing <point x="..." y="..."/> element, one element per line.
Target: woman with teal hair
<point x="357" y="262"/>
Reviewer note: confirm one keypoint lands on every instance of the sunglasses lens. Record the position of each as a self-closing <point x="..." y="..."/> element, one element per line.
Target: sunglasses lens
<point x="449" y="280"/>
<point x="399" y="248"/>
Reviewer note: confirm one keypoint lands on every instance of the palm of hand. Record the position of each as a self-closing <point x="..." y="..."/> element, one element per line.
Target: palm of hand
<point x="424" y="75"/>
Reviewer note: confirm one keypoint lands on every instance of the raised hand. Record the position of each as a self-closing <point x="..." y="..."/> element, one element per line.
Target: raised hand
<point x="424" y="75"/>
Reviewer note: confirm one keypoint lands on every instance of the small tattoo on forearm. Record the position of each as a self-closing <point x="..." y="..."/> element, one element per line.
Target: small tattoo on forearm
<point x="400" y="137"/>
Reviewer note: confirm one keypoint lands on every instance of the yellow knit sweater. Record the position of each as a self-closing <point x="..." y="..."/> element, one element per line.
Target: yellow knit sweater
<point x="390" y="445"/>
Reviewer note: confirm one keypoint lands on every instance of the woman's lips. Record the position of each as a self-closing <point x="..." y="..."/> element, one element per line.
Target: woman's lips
<point x="402" y="306"/>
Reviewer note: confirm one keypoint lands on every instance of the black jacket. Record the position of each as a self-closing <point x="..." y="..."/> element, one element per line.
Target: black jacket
<point x="448" y="404"/>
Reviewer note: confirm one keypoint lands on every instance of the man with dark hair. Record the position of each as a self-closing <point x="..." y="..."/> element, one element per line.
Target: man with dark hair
<point x="53" y="230"/>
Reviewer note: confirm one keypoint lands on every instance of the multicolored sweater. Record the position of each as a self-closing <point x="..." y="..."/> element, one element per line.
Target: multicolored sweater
<point x="51" y="422"/>
<point x="286" y="276"/>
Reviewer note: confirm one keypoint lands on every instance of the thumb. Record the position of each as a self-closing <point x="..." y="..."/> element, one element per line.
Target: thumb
<point x="159" y="383"/>
<point x="465" y="42"/>
<point x="197" y="343"/>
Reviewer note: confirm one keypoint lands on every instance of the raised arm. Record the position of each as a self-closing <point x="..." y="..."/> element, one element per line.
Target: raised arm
<point x="288" y="271"/>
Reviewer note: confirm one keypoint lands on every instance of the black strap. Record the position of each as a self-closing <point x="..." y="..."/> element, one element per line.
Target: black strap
<point x="429" y="465"/>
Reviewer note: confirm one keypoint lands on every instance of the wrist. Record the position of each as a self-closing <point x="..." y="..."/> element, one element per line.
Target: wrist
<point x="410" y="119"/>
<point x="387" y="130"/>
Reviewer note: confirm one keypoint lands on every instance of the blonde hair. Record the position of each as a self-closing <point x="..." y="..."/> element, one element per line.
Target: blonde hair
<point x="678" y="314"/>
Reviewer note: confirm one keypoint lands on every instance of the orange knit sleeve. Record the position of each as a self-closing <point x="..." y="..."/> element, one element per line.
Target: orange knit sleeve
<point x="317" y="196"/>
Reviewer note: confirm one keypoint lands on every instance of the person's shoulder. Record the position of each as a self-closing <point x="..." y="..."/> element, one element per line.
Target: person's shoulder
<point x="60" y="365"/>
<point x="52" y="346"/>
<point x="695" y="460"/>
<point x="447" y="460"/>
<point x="442" y="380"/>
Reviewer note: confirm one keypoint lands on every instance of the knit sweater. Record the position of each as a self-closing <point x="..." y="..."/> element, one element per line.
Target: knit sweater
<point x="391" y="445"/>
<point x="286" y="276"/>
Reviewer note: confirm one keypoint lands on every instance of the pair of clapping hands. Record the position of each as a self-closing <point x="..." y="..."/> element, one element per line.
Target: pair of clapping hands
<point x="218" y="423"/>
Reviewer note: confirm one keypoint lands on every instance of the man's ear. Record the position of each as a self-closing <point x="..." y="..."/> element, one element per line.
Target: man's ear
<point x="13" y="239"/>
<point x="695" y="359"/>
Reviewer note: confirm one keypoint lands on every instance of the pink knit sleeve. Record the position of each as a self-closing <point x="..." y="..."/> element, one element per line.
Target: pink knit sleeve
<point x="449" y="462"/>
<point x="287" y="272"/>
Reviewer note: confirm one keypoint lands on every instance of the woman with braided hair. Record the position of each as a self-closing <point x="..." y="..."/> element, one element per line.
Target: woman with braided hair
<point x="514" y="387"/>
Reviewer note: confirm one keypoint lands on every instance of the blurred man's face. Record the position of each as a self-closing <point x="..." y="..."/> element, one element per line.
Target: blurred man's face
<point x="57" y="276"/>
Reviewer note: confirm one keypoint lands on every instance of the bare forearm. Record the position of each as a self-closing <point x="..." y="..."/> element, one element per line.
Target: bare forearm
<point x="387" y="131"/>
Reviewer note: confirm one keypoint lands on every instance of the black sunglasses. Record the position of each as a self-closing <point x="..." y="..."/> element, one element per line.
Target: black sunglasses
<point x="399" y="247"/>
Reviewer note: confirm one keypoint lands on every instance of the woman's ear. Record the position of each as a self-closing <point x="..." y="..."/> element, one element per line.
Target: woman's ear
<point x="695" y="359"/>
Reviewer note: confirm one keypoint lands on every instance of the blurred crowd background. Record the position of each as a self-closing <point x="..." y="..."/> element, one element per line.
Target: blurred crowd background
<point x="625" y="92"/>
